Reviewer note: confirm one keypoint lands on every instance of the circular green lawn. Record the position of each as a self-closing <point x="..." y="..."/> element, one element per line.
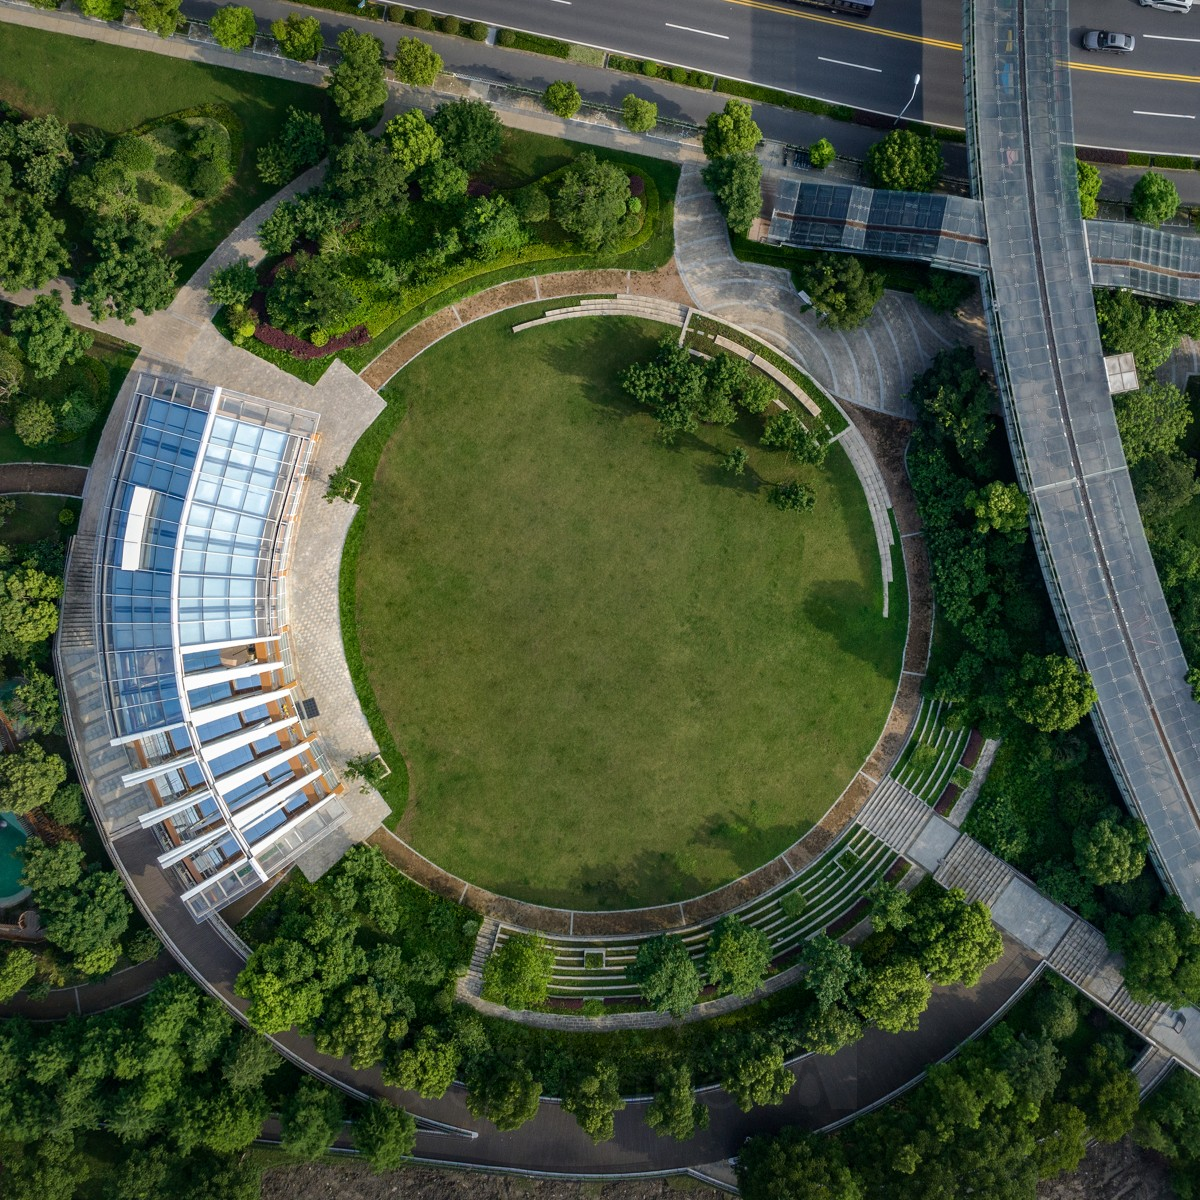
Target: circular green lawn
<point x="619" y="676"/>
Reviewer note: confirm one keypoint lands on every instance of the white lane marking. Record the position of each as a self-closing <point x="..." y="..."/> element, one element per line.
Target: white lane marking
<point x="857" y="66"/>
<point x="1137" y="112"/>
<point x="1162" y="37"/>
<point x="704" y="32"/>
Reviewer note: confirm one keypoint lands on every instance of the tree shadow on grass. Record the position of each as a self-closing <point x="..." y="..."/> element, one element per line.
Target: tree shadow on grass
<point x="747" y="843"/>
<point x="649" y="878"/>
<point x="837" y="607"/>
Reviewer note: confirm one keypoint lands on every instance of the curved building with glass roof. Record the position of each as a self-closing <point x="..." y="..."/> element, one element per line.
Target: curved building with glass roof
<point x="185" y="711"/>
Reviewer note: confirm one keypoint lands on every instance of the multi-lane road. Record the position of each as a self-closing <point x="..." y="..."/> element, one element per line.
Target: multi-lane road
<point x="1147" y="100"/>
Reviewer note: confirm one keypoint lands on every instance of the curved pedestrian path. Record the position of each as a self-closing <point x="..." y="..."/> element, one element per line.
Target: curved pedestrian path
<point x="872" y="367"/>
<point x="43" y="479"/>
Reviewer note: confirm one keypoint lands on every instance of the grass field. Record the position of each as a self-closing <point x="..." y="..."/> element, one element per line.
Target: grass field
<point x="619" y="675"/>
<point x="111" y="88"/>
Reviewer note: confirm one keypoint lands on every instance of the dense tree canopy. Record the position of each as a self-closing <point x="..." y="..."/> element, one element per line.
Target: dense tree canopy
<point x="46" y="336"/>
<point x="471" y="132"/>
<point x="666" y="975"/>
<point x="356" y="84"/>
<point x="737" y="957"/>
<point x="233" y="26"/>
<point x="731" y="131"/>
<point x="905" y="161"/>
<point x="843" y="292"/>
<point x="1051" y="692"/>
<point x="29" y="777"/>
<point x="299" y="37"/>
<point x="736" y="182"/>
<point x="518" y="973"/>
<point x="592" y="200"/>
<point x="1155" y="199"/>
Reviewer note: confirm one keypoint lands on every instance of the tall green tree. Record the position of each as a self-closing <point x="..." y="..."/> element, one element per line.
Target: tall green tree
<point x="592" y="200"/>
<point x="357" y="84"/>
<point x="299" y="144"/>
<point x="955" y="941"/>
<point x="731" y="131"/>
<point x="470" y="131"/>
<point x="1111" y="850"/>
<point x="299" y="38"/>
<point x="1051" y="692"/>
<point x="905" y="161"/>
<point x="1155" y="199"/>
<point x="593" y="1097"/>
<point x="385" y="1135"/>
<point x="46" y="336"/>
<point x="130" y="272"/>
<point x="1088" y="177"/>
<point x="503" y="1092"/>
<point x="665" y="975"/>
<point x="416" y="62"/>
<point x="414" y="141"/>
<point x="752" y="1071"/>
<point x="518" y="974"/>
<point x="737" y="958"/>
<point x="640" y="116"/>
<point x="159" y="16"/>
<point x="29" y="777"/>
<point x="795" y="1165"/>
<point x="310" y="1120"/>
<point x="843" y="292"/>
<point x="28" y="610"/>
<point x="233" y="26"/>
<point x="675" y="1112"/>
<point x="1152" y="420"/>
<point x="562" y="98"/>
<point x="893" y="995"/>
<point x="831" y="968"/>
<point x="735" y="180"/>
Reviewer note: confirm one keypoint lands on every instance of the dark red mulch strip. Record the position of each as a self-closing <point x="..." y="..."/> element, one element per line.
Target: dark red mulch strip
<point x="297" y="347"/>
<point x="1116" y="158"/>
<point x="971" y="753"/>
<point x="897" y="870"/>
<point x="946" y="799"/>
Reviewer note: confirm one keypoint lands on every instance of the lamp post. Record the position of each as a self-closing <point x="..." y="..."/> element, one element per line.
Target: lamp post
<point x="916" y="84"/>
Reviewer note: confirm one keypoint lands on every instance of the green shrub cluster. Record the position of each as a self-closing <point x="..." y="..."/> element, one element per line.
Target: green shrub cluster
<point x="655" y="70"/>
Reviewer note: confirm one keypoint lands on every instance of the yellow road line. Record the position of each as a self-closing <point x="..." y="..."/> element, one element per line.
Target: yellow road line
<point x="1101" y="69"/>
<point x="858" y="26"/>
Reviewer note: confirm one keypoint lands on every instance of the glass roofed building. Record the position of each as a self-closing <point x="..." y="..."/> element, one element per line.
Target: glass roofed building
<point x="191" y="722"/>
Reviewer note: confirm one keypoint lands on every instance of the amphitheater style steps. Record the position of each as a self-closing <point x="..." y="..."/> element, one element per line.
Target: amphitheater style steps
<point x="894" y="815"/>
<point x="1142" y="1017"/>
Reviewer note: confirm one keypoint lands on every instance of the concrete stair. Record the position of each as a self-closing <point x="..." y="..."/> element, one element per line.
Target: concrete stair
<point x="894" y="815"/>
<point x="978" y="872"/>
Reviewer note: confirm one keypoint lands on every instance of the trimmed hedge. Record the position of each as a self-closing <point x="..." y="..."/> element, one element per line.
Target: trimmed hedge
<point x="372" y="11"/>
<point x="654" y="70"/>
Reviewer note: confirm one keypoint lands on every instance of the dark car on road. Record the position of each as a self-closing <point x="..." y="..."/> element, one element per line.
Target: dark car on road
<point x="1098" y="39"/>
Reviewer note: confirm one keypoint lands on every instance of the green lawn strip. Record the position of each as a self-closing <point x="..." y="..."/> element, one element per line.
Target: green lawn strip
<point x="538" y="722"/>
<point x="834" y="421"/>
<point x="36" y="518"/>
<point x="101" y="373"/>
<point x="112" y="88"/>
